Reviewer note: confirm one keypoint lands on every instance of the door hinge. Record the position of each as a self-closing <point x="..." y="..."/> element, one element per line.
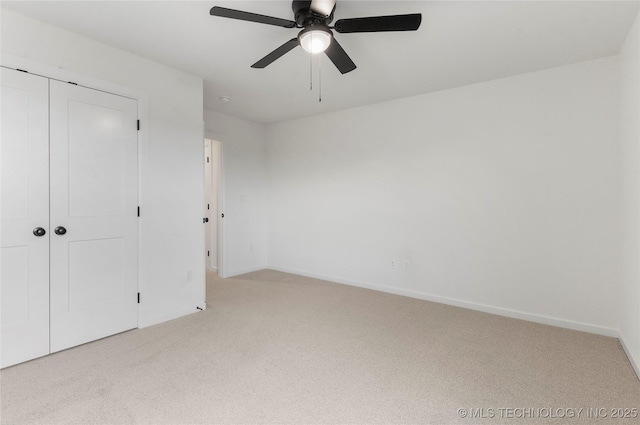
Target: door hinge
<point x="207" y="206"/>
<point x="207" y="160"/>
<point x="138" y="125"/>
<point x="138" y="211"/>
<point x="208" y="253"/>
<point x="138" y="297"/>
<point x="222" y="215"/>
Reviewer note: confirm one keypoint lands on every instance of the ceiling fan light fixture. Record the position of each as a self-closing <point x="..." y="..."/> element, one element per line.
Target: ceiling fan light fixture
<point x="315" y="16"/>
<point x="315" y="40"/>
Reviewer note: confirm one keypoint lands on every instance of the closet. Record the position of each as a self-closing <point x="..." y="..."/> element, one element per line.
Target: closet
<point x="68" y="213"/>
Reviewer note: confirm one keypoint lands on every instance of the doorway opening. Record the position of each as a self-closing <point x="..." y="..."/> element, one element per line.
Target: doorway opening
<point x="213" y="207"/>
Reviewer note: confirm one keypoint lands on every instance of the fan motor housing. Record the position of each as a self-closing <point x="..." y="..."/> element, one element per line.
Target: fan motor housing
<point x="304" y="16"/>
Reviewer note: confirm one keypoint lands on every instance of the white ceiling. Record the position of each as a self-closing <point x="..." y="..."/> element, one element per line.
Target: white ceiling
<point x="459" y="43"/>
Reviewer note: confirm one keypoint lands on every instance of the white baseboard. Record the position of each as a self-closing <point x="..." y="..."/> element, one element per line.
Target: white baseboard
<point x="546" y="320"/>
<point x="635" y="362"/>
<point x="243" y="271"/>
<point x="161" y="318"/>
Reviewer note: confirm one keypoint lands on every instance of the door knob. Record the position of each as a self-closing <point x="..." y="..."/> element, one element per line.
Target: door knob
<point x="60" y="230"/>
<point x="39" y="231"/>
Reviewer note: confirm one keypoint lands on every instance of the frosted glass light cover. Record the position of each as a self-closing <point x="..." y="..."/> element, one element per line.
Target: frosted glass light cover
<point x="315" y="41"/>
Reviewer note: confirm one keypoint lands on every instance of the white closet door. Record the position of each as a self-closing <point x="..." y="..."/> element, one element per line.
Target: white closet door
<point x="94" y="199"/>
<point x="24" y="257"/>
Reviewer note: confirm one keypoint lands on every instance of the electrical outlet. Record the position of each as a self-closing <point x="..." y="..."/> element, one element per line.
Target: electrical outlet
<point x="394" y="263"/>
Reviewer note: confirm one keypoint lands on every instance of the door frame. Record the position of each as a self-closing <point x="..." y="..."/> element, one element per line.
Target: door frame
<point x="142" y="98"/>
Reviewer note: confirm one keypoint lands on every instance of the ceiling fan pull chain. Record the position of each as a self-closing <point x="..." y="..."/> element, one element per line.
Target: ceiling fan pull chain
<point x="319" y="78"/>
<point x="310" y="71"/>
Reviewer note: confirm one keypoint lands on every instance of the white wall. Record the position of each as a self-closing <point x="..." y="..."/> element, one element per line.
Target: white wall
<point x="171" y="234"/>
<point x="244" y="189"/>
<point x="630" y="141"/>
<point x="503" y="196"/>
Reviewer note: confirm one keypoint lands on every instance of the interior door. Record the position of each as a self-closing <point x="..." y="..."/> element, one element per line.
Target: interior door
<point x="208" y="246"/>
<point x="93" y="139"/>
<point x="24" y="256"/>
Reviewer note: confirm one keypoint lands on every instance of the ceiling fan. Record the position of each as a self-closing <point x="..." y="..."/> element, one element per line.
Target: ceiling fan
<point x="314" y="17"/>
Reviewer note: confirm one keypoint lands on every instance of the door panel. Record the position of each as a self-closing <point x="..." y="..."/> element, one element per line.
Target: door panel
<point x="24" y="288"/>
<point x="94" y="197"/>
<point x="15" y="288"/>
<point x="96" y="160"/>
<point x="208" y="246"/>
<point x="97" y="273"/>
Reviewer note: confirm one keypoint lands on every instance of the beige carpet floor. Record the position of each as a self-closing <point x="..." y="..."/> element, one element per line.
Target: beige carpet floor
<point x="274" y="348"/>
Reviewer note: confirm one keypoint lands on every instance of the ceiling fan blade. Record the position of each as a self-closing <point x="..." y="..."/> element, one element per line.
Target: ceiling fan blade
<point x="380" y="23"/>
<point x="251" y="17"/>
<point x="276" y="54"/>
<point x="339" y="57"/>
<point x="323" y="7"/>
